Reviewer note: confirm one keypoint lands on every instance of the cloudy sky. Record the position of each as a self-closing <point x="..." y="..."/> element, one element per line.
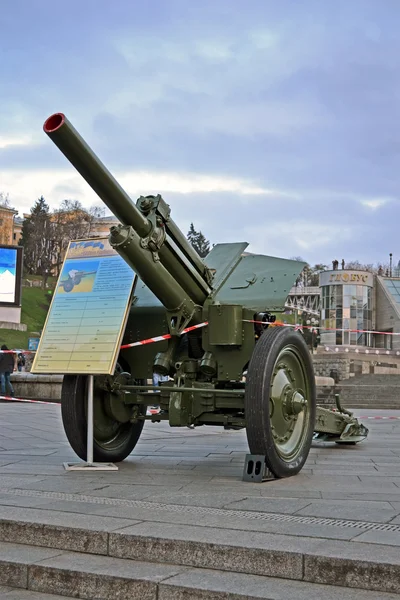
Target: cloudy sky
<point x="276" y="123"/>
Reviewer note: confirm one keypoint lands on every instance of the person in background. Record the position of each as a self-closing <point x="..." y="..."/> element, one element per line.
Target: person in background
<point x="7" y="366"/>
<point x="157" y="378"/>
<point x="21" y="361"/>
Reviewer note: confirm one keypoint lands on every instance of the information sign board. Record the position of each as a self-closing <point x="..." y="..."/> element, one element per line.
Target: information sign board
<point x="33" y="344"/>
<point x="88" y="312"/>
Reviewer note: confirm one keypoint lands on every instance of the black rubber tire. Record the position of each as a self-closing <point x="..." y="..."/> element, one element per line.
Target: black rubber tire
<point x="73" y="413"/>
<point x="257" y="400"/>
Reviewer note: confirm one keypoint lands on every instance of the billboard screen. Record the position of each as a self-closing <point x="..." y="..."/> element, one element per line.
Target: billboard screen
<point x="10" y="275"/>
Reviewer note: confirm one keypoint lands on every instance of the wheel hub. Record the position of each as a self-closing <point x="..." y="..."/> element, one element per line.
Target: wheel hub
<point x="114" y="399"/>
<point x="116" y="409"/>
<point x="287" y="403"/>
<point x="294" y="402"/>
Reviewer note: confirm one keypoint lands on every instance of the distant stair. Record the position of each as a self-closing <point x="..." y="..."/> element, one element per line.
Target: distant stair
<point x="370" y="391"/>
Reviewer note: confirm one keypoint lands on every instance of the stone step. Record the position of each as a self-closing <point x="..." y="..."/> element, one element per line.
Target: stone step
<point x="374" y="405"/>
<point x="370" y="389"/>
<point x="373" y="402"/>
<point x="89" y="576"/>
<point x="370" y="399"/>
<point x="12" y="593"/>
<point x="375" y="378"/>
<point x="107" y="563"/>
<point x="360" y="406"/>
<point x="366" y="398"/>
<point x="394" y="398"/>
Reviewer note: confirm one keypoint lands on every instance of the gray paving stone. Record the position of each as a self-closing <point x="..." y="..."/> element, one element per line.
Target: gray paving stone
<point x="129" y="491"/>
<point x="32" y="469"/>
<point x="10" y="500"/>
<point x="61" y="518"/>
<point x="32" y="451"/>
<point x="210" y="498"/>
<point x="82" y="508"/>
<point x="11" y="480"/>
<point x="388" y="538"/>
<point x="270" y="492"/>
<point x="347" y="469"/>
<point x="213" y="585"/>
<point x="233" y="523"/>
<point x="274" y="505"/>
<point x="396" y="521"/>
<point x="376" y="512"/>
<point x="392" y="496"/>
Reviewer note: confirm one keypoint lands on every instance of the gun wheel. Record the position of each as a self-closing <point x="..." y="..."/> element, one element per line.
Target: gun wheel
<point x="68" y="286"/>
<point x="280" y="401"/>
<point x="114" y="436"/>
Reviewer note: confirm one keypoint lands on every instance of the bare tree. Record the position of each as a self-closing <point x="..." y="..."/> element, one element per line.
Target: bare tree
<point x="4" y="200"/>
<point x="70" y="222"/>
<point x="95" y="212"/>
<point x="357" y="266"/>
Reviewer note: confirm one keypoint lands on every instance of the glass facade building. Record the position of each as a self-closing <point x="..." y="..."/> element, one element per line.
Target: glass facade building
<point x="346" y="306"/>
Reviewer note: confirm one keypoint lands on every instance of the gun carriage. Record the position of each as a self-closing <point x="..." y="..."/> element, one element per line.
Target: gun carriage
<point x="239" y="371"/>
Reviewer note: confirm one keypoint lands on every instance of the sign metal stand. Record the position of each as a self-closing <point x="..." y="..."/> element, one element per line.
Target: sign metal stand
<point x="85" y="324"/>
<point x="89" y="465"/>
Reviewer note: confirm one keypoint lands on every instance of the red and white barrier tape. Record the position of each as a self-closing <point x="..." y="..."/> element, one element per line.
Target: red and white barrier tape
<point x="298" y="326"/>
<point x="12" y="399"/>
<point x="381" y="418"/>
<point x="167" y="336"/>
<point x="160" y="338"/>
<point x="150" y="411"/>
<point x="17" y="351"/>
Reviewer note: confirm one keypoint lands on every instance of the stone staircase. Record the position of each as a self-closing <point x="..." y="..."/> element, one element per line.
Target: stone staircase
<point x="371" y="391"/>
<point x="158" y="561"/>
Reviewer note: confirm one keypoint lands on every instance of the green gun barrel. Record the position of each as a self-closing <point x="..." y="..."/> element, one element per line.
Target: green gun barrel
<point x="76" y="150"/>
<point x="181" y="274"/>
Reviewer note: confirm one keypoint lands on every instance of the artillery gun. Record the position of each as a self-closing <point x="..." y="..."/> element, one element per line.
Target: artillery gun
<point x="234" y="368"/>
<point x="74" y="278"/>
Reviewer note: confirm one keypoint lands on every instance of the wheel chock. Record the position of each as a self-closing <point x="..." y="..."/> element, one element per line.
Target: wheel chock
<point x="256" y="470"/>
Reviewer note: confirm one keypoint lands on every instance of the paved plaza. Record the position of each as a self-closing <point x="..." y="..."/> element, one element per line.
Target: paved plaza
<point x="186" y="485"/>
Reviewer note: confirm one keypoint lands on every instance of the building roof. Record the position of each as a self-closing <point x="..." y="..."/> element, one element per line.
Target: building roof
<point x="392" y="286"/>
<point x="8" y="209"/>
<point x="109" y="218"/>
